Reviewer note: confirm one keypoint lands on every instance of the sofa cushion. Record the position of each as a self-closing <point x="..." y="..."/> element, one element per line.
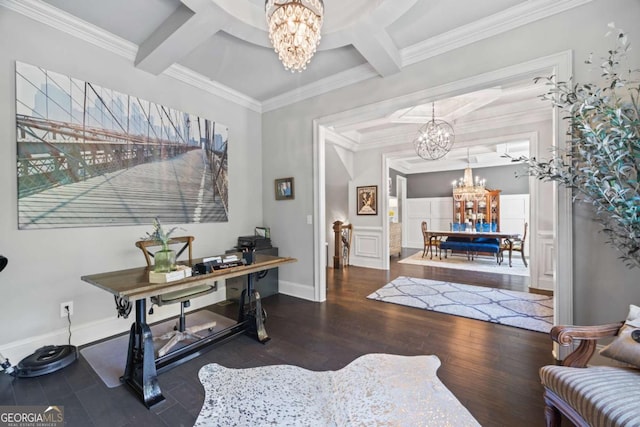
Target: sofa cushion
<point x="602" y="395"/>
<point x="624" y="348"/>
<point x="451" y="239"/>
<point x="489" y="240"/>
<point x="469" y="246"/>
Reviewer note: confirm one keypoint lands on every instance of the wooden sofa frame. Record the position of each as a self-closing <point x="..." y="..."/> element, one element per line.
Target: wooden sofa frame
<point x="565" y="336"/>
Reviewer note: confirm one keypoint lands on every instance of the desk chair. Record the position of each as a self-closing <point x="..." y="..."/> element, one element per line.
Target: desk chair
<point x="518" y="246"/>
<point x="180" y="332"/>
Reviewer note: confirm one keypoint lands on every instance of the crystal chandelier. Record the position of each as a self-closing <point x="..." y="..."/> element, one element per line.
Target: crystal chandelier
<point x="465" y="188"/>
<point x="435" y="138"/>
<point x="294" y="30"/>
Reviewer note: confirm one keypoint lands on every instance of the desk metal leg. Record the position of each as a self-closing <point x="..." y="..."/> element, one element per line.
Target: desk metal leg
<point x="140" y="372"/>
<point x="252" y="312"/>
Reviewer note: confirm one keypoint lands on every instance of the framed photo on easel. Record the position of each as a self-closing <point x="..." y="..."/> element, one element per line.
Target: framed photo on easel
<point x="367" y="203"/>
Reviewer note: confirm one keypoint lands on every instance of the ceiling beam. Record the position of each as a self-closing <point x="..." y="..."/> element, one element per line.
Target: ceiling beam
<point x="375" y="44"/>
<point x="185" y="29"/>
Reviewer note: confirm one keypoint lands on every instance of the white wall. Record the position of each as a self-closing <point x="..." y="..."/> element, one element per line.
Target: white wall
<point x="45" y="265"/>
<point x="287" y="132"/>
<point x="337" y="193"/>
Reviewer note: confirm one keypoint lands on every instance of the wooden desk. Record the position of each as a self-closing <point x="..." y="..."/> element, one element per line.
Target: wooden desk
<point x="142" y="366"/>
<point x="471" y="235"/>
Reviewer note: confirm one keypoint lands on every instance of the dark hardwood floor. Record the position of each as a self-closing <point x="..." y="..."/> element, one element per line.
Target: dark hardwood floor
<point x="492" y="369"/>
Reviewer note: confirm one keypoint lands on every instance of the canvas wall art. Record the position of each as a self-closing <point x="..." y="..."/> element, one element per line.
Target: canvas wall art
<point x="92" y="156"/>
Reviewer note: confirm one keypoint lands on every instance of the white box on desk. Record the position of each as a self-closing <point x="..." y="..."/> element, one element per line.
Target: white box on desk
<point x="179" y="274"/>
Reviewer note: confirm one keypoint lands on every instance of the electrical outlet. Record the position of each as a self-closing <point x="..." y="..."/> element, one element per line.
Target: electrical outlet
<point x="63" y="308"/>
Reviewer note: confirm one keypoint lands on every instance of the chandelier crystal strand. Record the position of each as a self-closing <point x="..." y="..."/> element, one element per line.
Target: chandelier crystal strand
<point x="435" y="138"/>
<point x="465" y="188"/>
<point x="294" y="30"/>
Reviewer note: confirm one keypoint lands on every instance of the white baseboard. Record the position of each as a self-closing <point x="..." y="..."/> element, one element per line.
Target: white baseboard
<point x="366" y="262"/>
<point x="296" y="290"/>
<point x="543" y="283"/>
<point x="89" y="332"/>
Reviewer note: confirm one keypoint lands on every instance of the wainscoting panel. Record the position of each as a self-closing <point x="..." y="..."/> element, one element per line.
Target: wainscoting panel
<point x="542" y="277"/>
<point x="367" y="247"/>
<point x="417" y="210"/>
<point x="514" y="212"/>
<point x="437" y="211"/>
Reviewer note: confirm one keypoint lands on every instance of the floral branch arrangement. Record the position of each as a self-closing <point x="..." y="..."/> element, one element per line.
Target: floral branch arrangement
<point x="600" y="163"/>
<point x="159" y="235"/>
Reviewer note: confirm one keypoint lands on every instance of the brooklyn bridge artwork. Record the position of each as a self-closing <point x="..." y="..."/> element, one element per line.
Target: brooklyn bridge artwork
<point x="91" y="156"/>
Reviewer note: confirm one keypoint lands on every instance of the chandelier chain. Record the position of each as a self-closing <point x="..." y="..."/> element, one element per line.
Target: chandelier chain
<point x="435" y="138"/>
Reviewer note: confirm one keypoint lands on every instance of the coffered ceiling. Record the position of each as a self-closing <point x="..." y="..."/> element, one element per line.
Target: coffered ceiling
<point x="223" y="46"/>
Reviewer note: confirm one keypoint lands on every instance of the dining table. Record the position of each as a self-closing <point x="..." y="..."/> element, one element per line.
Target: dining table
<point x="505" y="238"/>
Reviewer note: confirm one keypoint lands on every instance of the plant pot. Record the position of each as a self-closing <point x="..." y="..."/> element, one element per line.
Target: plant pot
<point x="164" y="261"/>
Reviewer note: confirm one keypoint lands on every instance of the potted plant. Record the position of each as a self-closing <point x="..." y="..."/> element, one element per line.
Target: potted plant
<point x="164" y="259"/>
<point x="600" y="163"/>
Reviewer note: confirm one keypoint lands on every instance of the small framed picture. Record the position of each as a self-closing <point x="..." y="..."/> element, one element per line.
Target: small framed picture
<point x="284" y="189"/>
<point x="367" y="202"/>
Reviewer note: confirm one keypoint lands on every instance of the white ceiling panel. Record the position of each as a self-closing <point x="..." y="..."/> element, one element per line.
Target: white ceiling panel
<point x="225" y="41"/>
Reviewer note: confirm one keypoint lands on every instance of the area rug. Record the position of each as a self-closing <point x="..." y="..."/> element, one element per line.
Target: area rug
<point x="512" y="308"/>
<point x="484" y="264"/>
<point x="108" y="358"/>
<point x="373" y="390"/>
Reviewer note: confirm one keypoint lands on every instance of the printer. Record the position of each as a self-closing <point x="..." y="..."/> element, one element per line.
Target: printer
<point x="267" y="281"/>
<point x="253" y="242"/>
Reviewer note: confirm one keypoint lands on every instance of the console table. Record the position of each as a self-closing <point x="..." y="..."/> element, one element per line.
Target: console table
<point x="142" y="366"/>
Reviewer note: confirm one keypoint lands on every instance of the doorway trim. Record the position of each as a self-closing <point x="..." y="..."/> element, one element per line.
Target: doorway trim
<point x="401" y="188"/>
<point x="558" y="65"/>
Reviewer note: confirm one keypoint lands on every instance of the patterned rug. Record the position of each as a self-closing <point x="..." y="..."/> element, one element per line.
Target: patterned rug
<point x="512" y="308"/>
<point x="373" y="390"/>
<point x="485" y="264"/>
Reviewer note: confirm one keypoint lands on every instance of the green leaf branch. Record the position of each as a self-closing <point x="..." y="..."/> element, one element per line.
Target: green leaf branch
<point x="159" y="235"/>
<point x="600" y="163"/>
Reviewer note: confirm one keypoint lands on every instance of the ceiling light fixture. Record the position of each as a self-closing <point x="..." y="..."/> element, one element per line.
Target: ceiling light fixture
<point x="435" y="138"/>
<point x="465" y="189"/>
<point x="294" y="30"/>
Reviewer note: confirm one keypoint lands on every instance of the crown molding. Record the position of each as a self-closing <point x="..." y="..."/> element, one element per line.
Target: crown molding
<point x="514" y="17"/>
<point x="400" y="160"/>
<point x="519" y="118"/>
<point x="199" y="81"/>
<point x="394" y="137"/>
<point x="340" y="140"/>
<point x="69" y="24"/>
<point x="319" y="87"/>
<point x="62" y="21"/>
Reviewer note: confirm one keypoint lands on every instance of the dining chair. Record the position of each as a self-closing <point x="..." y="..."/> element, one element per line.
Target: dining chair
<point x="429" y="243"/>
<point x="184" y="296"/>
<point x="518" y="246"/>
